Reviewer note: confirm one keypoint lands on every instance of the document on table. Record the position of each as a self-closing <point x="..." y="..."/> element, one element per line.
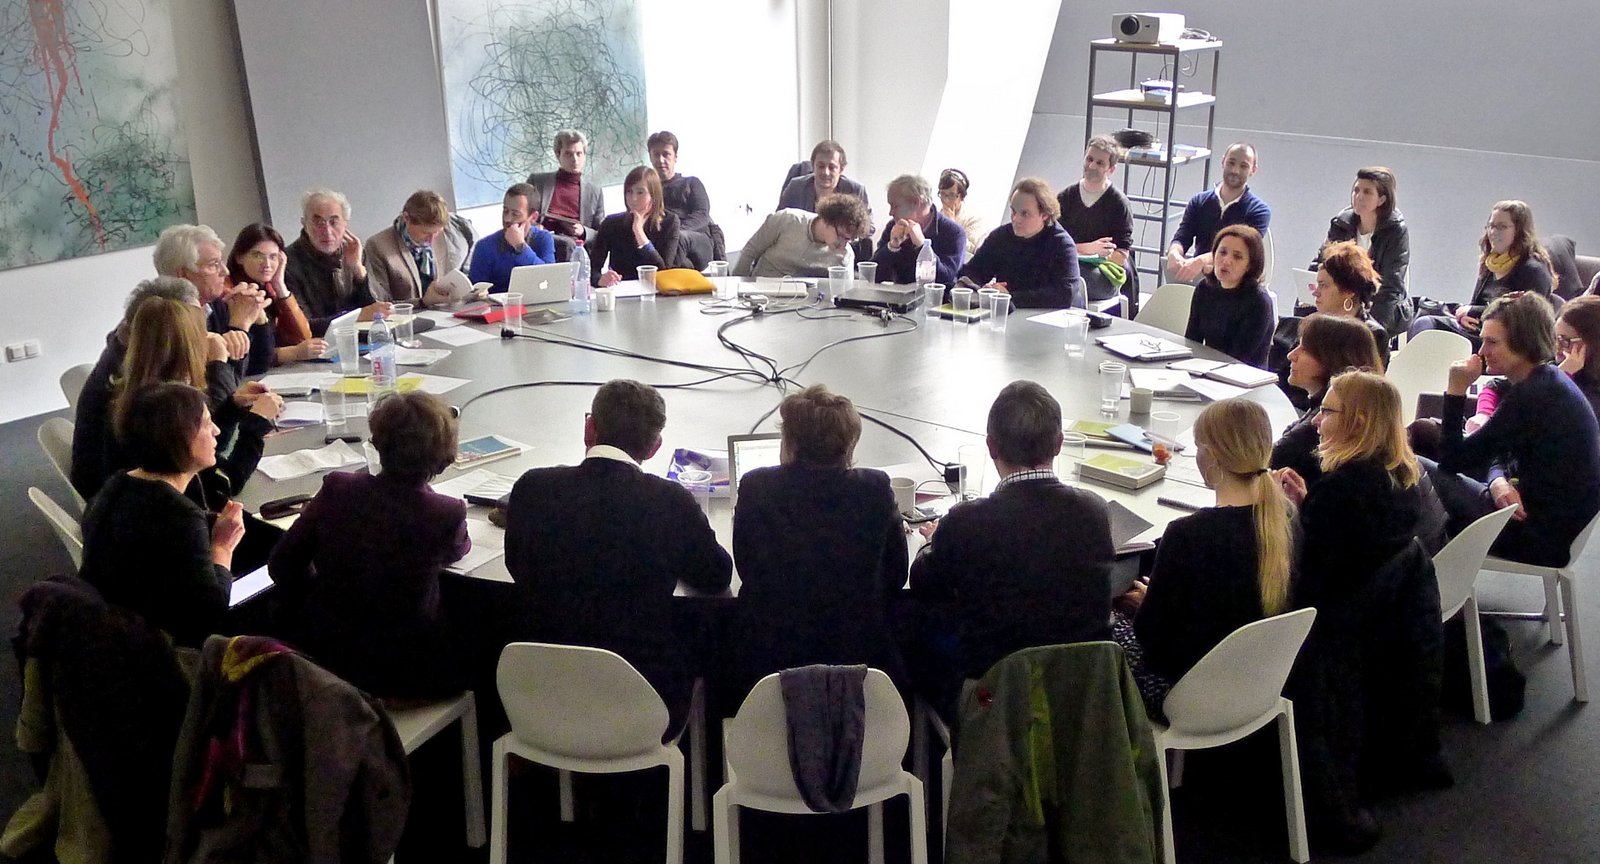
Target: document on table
<point x="488" y="543"/>
<point x="1057" y="317"/>
<point x="419" y="356"/>
<point x="459" y="336"/>
<point x="303" y="462"/>
<point x="458" y="487"/>
<point x="299" y="380"/>
<point x="297" y="414"/>
<point x="435" y="384"/>
<point x="440" y="319"/>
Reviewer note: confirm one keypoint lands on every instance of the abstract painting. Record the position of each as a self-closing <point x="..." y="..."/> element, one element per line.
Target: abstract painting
<point x="93" y="155"/>
<point x="516" y="71"/>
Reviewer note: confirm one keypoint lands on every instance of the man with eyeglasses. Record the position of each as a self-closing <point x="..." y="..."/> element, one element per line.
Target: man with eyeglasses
<point x="194" y="252"/>
<point x="324" y="270"/>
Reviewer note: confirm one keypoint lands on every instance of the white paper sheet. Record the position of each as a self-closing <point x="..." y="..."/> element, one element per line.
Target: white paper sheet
<point x="299" y="380"/>
<point x="1057" y="317"/>
<point x="1215" y="390"/>
<point x="488" y="543"/>
<point x="440" y="320"/>
<point x="419" y="356"/>
<point x="458" y="487"/>
<point x="458" y="336"/>
<point x="297" y="414"/>
<point x="435" y="384"/>
<point x="303" y="462"/>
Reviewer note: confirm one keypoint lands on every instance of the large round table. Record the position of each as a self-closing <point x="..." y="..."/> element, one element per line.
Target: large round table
<point x="932" y="381"/>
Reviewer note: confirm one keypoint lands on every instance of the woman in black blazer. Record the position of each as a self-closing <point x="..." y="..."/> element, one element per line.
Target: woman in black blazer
<point x="1374" y="223"/>
<point x="820" y="548"/>
<point x="645" y="233"/>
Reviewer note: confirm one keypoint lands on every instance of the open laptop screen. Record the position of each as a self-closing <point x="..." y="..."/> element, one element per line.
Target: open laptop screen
<point x="746" y="452"/>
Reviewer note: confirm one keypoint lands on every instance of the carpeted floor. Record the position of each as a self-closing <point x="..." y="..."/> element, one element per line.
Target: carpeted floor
<point x="1526" y="790"/>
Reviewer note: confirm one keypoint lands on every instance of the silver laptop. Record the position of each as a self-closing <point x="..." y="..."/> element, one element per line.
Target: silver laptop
<point x="1304" y="281"/>
<point x="348" y="319"/>
<point x="746" y="452"/>
<point x="542" y="283"/>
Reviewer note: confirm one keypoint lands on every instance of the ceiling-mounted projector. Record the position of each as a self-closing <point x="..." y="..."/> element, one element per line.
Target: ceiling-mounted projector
<point x="1147" y="27"/>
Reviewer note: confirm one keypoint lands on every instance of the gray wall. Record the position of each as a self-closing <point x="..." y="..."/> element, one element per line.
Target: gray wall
<point x="1322" y="90"/>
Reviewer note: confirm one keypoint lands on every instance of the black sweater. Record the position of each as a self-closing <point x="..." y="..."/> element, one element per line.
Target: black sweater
<point x="1238" y="321"/>
<point x="1204" y="586"/>
<point x="319" y="282"/>
<point x="1353" y="520"/>
<point x="1529" y="274"/>
<point x="1038" y="271"/>
<point x="1543" y="434"/>
<point x="615" y="238"/>
<point x="1109" y="217"/>
<point x="147" y="548"/>
<point x="1029" y="565"/>
<point x="820" y="552"/>
<point x="686" y="198"/>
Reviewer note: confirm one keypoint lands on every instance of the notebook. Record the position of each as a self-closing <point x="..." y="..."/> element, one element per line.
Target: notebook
<point x="747" y="452"/>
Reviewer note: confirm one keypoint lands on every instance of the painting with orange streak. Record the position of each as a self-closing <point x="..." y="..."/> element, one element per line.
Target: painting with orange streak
<point x="93" y="155"/>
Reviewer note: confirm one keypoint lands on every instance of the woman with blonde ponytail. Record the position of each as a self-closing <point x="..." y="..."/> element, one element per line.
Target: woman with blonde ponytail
<point x="1222" y="567"/>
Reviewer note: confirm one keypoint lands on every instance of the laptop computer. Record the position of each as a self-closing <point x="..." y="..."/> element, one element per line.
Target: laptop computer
<point x="866" y="295"/>
<point x="542" y="283"/>
<point x="1304" y="280"/>
<point x="759" y="450"/>
<point x="348" y="319"/>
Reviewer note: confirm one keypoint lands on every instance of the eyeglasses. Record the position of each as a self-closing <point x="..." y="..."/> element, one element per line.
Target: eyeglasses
<point x="1324" y="411"/>
<point x="1565" y="343"/>
<point x="1493" y="227"/>
<point x="214" y="265"/>
<point x="256" y="257"/>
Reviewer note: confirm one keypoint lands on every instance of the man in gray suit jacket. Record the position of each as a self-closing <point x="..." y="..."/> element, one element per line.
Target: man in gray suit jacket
<point x="572" y="206"/>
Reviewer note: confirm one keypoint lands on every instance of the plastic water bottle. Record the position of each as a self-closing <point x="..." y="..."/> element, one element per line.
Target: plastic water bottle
<point x="580" y="282"/>
<point x="927" y="265"/>
<point x="382" y="355"/>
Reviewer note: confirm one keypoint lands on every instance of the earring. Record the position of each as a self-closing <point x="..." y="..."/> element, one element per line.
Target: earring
<point x="1349" y="305"/>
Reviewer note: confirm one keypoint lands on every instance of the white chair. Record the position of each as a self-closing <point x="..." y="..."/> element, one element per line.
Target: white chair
<point x="72" y="382"/>
<point x="1168" y="308"/>
<point x="1559" y="606"/>
<point x="1234" y="690"/>
<point x="1423" y="366"/>
<point x="1457" y="566"/>
<point x="581" y="709"/>
<point x="759" y="777"/>
<point x="66" y="527"/>
<point x="1268" y="260"/>
<point x="55" y="438"/>
<point x="416" y="723"/>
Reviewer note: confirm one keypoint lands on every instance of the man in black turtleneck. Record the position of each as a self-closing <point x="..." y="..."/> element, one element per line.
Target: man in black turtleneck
<point x="324" y="270"/>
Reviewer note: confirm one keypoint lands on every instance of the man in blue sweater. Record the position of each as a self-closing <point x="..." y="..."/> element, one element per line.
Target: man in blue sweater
<point x="519" y="243"/>
<point x="1231" y="203"/>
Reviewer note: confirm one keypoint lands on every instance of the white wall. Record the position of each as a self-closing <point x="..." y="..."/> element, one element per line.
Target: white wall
<point x="924" y="86"/>
<point x="1322" y="92"/>
<point x="70" y="305"/>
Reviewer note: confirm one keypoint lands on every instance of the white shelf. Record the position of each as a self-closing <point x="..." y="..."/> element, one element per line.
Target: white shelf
<point x="1135" y="98"/>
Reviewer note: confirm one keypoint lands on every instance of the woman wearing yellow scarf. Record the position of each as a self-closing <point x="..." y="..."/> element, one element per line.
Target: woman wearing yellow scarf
<point x="1512" y="260"/>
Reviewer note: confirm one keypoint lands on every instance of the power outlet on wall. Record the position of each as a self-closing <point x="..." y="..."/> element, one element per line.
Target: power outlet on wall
<point x="22" y="350"/>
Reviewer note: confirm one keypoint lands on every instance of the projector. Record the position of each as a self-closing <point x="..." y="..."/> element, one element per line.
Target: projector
<point x="1147" y="27"/>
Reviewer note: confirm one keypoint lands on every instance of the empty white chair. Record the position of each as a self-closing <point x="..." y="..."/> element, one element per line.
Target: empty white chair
<point x="417" y="722"/>
<point x="1234" y="690"/>
<point x="66" y="527"/>
<point x="55" y="438"/>
<point x="1168" y="308"/>
<point x="1457" y="566"/>
<point x="1561" y="601"/>
<point x="759" y="776"/>
<point x="1423" y="366"/>
<point x="586" y="710"/>
<point x="72" y="382"/>
<point x="1267" y="261"/>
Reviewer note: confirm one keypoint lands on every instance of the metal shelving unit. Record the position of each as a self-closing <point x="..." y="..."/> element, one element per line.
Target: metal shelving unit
<point x="1164" y="209"/>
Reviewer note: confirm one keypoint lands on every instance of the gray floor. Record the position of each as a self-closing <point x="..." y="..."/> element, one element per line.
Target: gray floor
<point x="1526" y="790"/>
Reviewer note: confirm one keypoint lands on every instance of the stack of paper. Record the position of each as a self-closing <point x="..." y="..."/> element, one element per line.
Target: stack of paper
<point x="303" y="462"/>
<point x="488" y="543"/>
<point x="297" y="414"/>
<point x="419" y="356"/>
<point x="1138" y="346"/>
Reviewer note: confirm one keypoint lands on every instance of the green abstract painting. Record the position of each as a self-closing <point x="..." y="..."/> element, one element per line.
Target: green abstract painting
<point x="93" y="155"/>
<point x="516" y="71"/>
